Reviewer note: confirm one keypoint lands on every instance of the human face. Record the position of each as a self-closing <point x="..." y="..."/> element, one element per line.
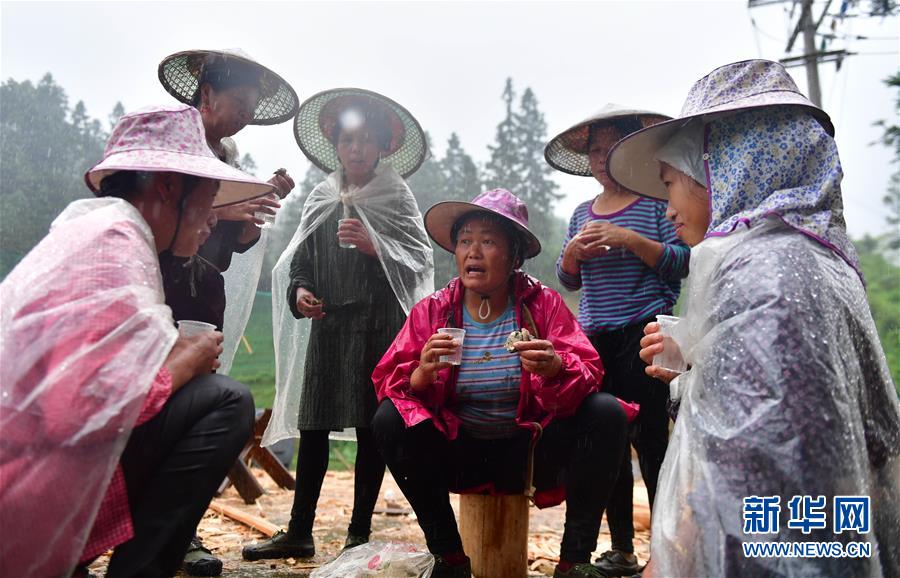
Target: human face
<point x="602" y="139"/>
<point x="483" y="257"/>
<point x="688" y="204"/>
<point x="197" y="218"/>
<point x="358" y="152"/>
<point x="227" y="111"/>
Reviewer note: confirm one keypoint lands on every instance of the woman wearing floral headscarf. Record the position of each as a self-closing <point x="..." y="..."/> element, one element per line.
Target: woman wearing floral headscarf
<point x="787" y="410"/>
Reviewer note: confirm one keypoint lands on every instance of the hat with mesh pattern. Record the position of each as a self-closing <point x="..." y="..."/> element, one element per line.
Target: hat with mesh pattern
<point x="405" y="145"/>
<point x="568" y="151"/>
<point x="180" y="75"/>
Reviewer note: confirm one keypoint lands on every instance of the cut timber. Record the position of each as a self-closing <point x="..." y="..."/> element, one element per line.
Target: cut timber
<point x="494" y="532"/>
<point x="255" y="522"/>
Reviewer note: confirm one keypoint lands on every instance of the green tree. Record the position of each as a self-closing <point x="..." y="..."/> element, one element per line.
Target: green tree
<point x="517" y="164"/>
<point x="461" y="180"/>
<point x="248" y="164"/>
<point x="892" y="200"/>
<point x="45" y="150"/>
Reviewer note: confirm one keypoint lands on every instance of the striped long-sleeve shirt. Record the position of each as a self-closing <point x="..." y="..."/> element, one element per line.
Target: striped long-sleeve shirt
<point x="488" y="386"/>
<point x="619" y="289"/>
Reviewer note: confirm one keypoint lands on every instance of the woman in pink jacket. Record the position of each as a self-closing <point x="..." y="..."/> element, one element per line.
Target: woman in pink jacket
<point x="467" y="427"/>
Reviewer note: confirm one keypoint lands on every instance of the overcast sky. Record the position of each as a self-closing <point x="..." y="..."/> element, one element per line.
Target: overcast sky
<point x="447" y="62"/>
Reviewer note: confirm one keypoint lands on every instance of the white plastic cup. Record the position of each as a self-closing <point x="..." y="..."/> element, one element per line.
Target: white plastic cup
<point x="459" y="335"/>
<point x="671" y="357"/>
<point x="188" y="327"/>
<point x="268" y="219"/>
<point x="342" y="244"/>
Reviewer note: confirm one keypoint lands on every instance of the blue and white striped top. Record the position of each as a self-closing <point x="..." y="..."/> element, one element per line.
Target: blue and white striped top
<point x="619" y="289"/>
<point x="489" y="378"/>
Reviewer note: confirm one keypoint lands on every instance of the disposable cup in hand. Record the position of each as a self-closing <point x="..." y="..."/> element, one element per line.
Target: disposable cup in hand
<point x="268" y="219"/>
<point x="342" y="244"/>
<point x="458" y="335"/>
<point x="189" y="327"/>
<point x="671" y="357"/>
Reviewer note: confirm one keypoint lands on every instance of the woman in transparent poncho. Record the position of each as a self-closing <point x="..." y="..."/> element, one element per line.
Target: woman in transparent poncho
<point x="788" y="391"/>
<point x="358" y="262"/>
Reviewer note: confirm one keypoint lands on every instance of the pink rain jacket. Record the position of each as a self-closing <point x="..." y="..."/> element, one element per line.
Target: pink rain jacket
<point x="542" y="399"/>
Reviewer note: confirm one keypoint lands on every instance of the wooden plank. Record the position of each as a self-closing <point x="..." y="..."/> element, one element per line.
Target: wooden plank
<point x="494" y="531"/>
<point x="243" y="479"/>
<point x="259" y="524"/>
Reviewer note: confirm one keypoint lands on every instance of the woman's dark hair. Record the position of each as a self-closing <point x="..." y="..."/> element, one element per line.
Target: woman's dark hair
<point x="222" y="73"/>
<point x="376" y="121"/>
<point x="124" y="184"/>
<point x="624" y="125"/>
<point x="514" y="237"/>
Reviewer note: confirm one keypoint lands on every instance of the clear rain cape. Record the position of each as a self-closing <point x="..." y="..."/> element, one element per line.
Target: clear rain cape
<point x="83" y="332"/>
<point x="391" y="216"/>
<point x="789" y="394"/>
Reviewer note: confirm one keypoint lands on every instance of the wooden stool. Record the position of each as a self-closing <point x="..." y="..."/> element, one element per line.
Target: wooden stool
<point x="494" y="531"/>
<point x="240" y="475"/>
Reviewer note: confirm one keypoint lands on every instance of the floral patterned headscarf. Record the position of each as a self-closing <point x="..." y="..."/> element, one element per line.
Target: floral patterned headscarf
<point x="776" y="161"/>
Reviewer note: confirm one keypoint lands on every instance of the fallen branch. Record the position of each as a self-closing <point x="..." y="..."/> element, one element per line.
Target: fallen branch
<point x="255" y="522"/>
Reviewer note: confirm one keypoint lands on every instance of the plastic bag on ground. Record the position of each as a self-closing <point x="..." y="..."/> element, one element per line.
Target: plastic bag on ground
<point x="379" y="559"/>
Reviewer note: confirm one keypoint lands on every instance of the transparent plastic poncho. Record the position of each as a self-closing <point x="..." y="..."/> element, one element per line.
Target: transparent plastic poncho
<point x="241" y="281"/>
<point x="391" y="216"/>
<point x="84" y="333"/>
<point x="788" y="394"/>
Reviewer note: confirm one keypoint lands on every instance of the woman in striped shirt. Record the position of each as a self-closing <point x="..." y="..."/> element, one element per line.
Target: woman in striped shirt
<point x="622" y="253"/>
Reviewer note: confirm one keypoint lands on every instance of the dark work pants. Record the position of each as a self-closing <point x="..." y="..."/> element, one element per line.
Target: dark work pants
<point x="649" y="433"/>
<point x="173" y="465"/>
<point x="312" y="463"/>
<point x="575" y="452"/>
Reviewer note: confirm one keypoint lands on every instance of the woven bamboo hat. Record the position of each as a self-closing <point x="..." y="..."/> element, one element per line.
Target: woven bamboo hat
<point x="319" y="115"/>
<point x="180" y="75"/>
<point x="568" y="151"/>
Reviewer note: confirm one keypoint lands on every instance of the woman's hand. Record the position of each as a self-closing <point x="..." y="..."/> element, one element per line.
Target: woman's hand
<point x="539" y="357"/>
<point x="651" y="346"/>
<point x="246" y="212"/>
<point x="604" y="233"/>
<point x="582" y="249"/>
<point x="192" y="356"/>
<point x="437" y="345"/>
<point x="352" y="231"/>
<point x="283" y="182"/>
<point x="309" y="305"/>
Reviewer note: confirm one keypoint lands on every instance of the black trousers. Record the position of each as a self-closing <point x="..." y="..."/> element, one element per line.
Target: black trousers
<point x="312" y="463"/>
<point x="173" y="465"/>
<point x="576" y="452"/>
<point x="649" y="433"/>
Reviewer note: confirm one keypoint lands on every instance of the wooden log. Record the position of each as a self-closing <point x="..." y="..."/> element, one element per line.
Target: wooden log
<point x="255" y="522"/>
<point x="494" y="531"/>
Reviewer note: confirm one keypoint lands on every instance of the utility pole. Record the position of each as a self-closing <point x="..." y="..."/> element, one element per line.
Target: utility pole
<point x="809" y="50"/>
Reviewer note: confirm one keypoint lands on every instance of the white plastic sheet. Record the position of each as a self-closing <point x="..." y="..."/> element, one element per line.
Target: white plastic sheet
<point x="391" y="216"/>
<point x="378" y="560"/>
<point x="84" y="332"/>
<point x="789" y="394"/>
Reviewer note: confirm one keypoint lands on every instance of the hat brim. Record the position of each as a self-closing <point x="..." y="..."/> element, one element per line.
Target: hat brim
<point x="439" y="219"/>
<point x="179" y="74"/>
<point x="567" y="151"/>
<point x="631" y="161"/>
<point x="236" y="186"/>
<point x="318" y="148"/>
